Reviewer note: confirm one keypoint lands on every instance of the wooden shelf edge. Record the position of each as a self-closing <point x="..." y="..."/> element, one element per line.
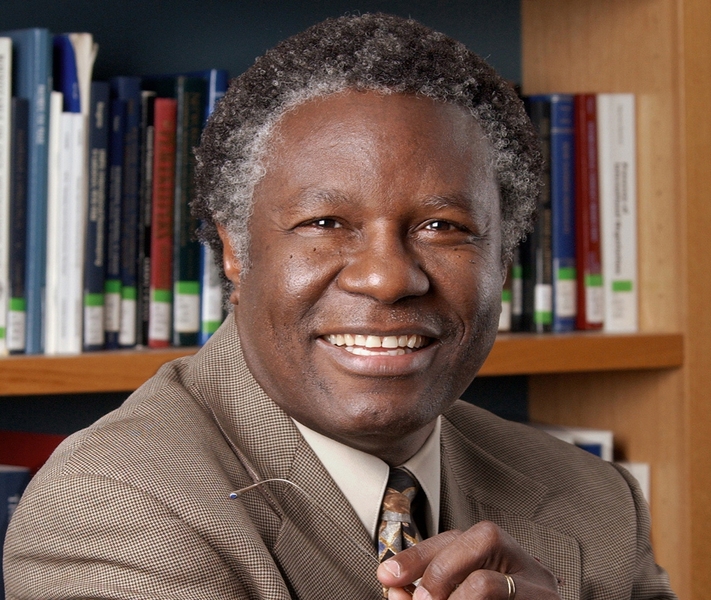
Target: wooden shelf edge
<point x="513" y="354"/>
<point x="579" y="352"/>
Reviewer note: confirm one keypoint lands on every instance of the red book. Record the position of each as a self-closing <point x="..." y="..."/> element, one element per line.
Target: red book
<point x="161" y="295"/>
<point x="27" y="449"/>
<point x="588" y="256"/>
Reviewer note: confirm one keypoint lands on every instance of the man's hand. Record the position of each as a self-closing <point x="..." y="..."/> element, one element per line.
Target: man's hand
<point x="468" y="565"/>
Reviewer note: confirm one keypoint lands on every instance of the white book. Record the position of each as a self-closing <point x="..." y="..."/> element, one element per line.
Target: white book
<point x="66" y="231"/>
<point x="618" y="210"/>
<point x="5" y="109"/>
<point x="642" y="473"/>
<point x="54" y="190"/>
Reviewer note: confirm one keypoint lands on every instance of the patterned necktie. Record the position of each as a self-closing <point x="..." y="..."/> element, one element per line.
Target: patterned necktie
<point x="397" y="527"/>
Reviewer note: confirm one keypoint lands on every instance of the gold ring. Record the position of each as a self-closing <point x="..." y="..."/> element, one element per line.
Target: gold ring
<point x="511" y="585"/>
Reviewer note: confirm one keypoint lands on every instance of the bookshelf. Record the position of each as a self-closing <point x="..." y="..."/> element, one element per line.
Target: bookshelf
<point x="650" y="388"/>
<point x="658" y="49"/>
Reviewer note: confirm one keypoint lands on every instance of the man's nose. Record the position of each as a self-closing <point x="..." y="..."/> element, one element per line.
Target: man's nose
<point x="384" y="267"/>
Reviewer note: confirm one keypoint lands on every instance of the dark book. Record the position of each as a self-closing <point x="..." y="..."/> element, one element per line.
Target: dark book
<point x="128" y="89"/>
<point x="190" y="94"/>
<point x="19" y="156"/>
<point x="536" y="252"/>
<point x="590" y="313"/>
<point x="32" y="80"/>
<point x="161" y="287"/>
<point x="562" y="182"/>
<point x="94" y="263"/>
<point x="145" y="196"/>
<point x="112" y="281"/>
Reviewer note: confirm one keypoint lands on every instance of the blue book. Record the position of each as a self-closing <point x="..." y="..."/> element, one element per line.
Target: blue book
<point x="128" y="89"/>
<point x="32" y="80"/>
<point x="66" y="78"/>
<point x="211" y="311"/>
<point x="13" y="481"/>
<point x="94" y="258"/>
<point x="563" y="212"/>
<point x="112" y="255"/>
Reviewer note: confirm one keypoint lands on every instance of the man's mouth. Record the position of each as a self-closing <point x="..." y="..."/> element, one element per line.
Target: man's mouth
<point x="376" y="345"/>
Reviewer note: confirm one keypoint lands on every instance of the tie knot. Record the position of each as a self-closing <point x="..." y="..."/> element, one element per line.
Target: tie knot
<point x="401" y="491"/>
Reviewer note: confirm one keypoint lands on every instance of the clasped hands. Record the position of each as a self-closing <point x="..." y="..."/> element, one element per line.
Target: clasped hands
<point x="469" y="565"/>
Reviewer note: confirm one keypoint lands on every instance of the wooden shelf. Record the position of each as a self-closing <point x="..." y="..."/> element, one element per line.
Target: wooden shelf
<point x="513" y="354"/>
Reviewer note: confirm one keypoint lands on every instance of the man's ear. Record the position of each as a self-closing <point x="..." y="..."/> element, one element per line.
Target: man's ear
<point x="230" y="263"/>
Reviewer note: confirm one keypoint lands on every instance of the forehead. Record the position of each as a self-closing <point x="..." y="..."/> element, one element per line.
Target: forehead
<point x="362" y="133"/>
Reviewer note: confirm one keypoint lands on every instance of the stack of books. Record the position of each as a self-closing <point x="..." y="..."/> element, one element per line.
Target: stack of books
<point x="97" y="243"/>
<point x="578" y="268"/>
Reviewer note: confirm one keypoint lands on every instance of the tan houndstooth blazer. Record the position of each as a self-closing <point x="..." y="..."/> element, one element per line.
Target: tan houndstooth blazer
<point x="137" y="506"/>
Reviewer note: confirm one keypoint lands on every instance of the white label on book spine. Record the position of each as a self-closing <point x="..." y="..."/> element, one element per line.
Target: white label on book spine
<point x="112" y="303"/>
<point x="159" y="321"/>
<point x="543" y="297"/>
<point x="565" y="298"/>
<point x="505" y="317"/>
<point x="594" y="304"/>
<point x="94" y="325"/>
<point x="127" y="332"/>
<point x="187" y="313"/>
<point x="16" y="321"/>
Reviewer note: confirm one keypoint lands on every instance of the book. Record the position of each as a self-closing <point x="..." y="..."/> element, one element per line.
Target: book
<point x="17" y="270"/>
<point x="94" y="257"/>
<point x="536" y="251"/>
<point x="590" y="311"/>
<point x="112" y="278"/>
<point x="66" y="216"/>
<point x="562" y="191"/>
<point x="145" y="210"/>
<point x="5" y="128"/>
<point x="506" y="303"/>
<point x="516" y="291"/>
<point x="32" y="75"/>
<point x="618" y="209"/>
<point x="599" y="442"/>
<point x="13" y="481"/>
<point x="190" y="93"/>
<point x="161" y="287"/>
<point x="128" y="89"/>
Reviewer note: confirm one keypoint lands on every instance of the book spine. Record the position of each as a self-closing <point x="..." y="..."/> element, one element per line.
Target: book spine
<point x="618" y="210"/>
<point x="17" y="315"/>
<point x="563" y="212"/>
<point x="143" y="279"/>
<point x="164" y="156"/>
<point x="13" y="481"/>
<point x="590" y="312"/>
<point x="516" y="291"/>
<point x="186" y="249"/>
<point x="506" y="303"/>
<point x="112" y="280"/>
<point x="5" y="134"/>
<point x="94" y="263"/>
<point x="55" y="190"/>
<point x="129" y="90"/>
<point x="536" y="255"/>
<point x="32" y="59"/>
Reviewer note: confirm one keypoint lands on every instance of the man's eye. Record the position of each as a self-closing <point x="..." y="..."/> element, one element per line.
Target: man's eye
<point x="442" y="226"/>
<point x="326" y="223"/>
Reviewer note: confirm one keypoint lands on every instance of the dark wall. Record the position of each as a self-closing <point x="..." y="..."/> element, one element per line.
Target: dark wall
<point x="139" y="37"/>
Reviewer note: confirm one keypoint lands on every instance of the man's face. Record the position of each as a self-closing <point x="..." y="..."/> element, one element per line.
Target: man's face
<point x="374" y="290"/>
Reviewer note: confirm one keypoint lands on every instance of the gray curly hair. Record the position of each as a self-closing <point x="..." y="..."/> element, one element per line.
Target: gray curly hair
<point x="377" y="52"/>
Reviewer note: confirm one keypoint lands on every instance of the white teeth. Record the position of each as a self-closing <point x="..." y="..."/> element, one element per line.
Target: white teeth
<point x="359" y="344"/>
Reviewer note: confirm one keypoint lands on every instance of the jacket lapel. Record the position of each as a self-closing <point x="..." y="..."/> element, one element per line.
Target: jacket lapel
<point x="477" y="486"/>
<point x="317" y="541"/>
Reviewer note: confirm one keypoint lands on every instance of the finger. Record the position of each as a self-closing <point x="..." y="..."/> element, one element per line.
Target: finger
<point x="409" y="565"/>
<point x="483" y="583"/>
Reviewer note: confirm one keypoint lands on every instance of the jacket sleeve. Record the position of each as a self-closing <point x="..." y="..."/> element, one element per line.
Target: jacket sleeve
<point x="651" y="582"/>
<point x="89" y="536"/>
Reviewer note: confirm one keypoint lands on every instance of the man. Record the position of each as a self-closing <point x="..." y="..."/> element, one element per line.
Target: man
<point x="365" y="183"/>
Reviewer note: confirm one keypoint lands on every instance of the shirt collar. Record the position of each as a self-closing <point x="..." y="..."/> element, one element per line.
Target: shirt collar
<point x="363" y="478"/>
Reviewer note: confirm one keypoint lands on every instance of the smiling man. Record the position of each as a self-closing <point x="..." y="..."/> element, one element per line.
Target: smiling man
<point x="364" y="183"/>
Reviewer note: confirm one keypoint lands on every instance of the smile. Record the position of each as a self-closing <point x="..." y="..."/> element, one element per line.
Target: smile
<point x="375" y="345"/>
